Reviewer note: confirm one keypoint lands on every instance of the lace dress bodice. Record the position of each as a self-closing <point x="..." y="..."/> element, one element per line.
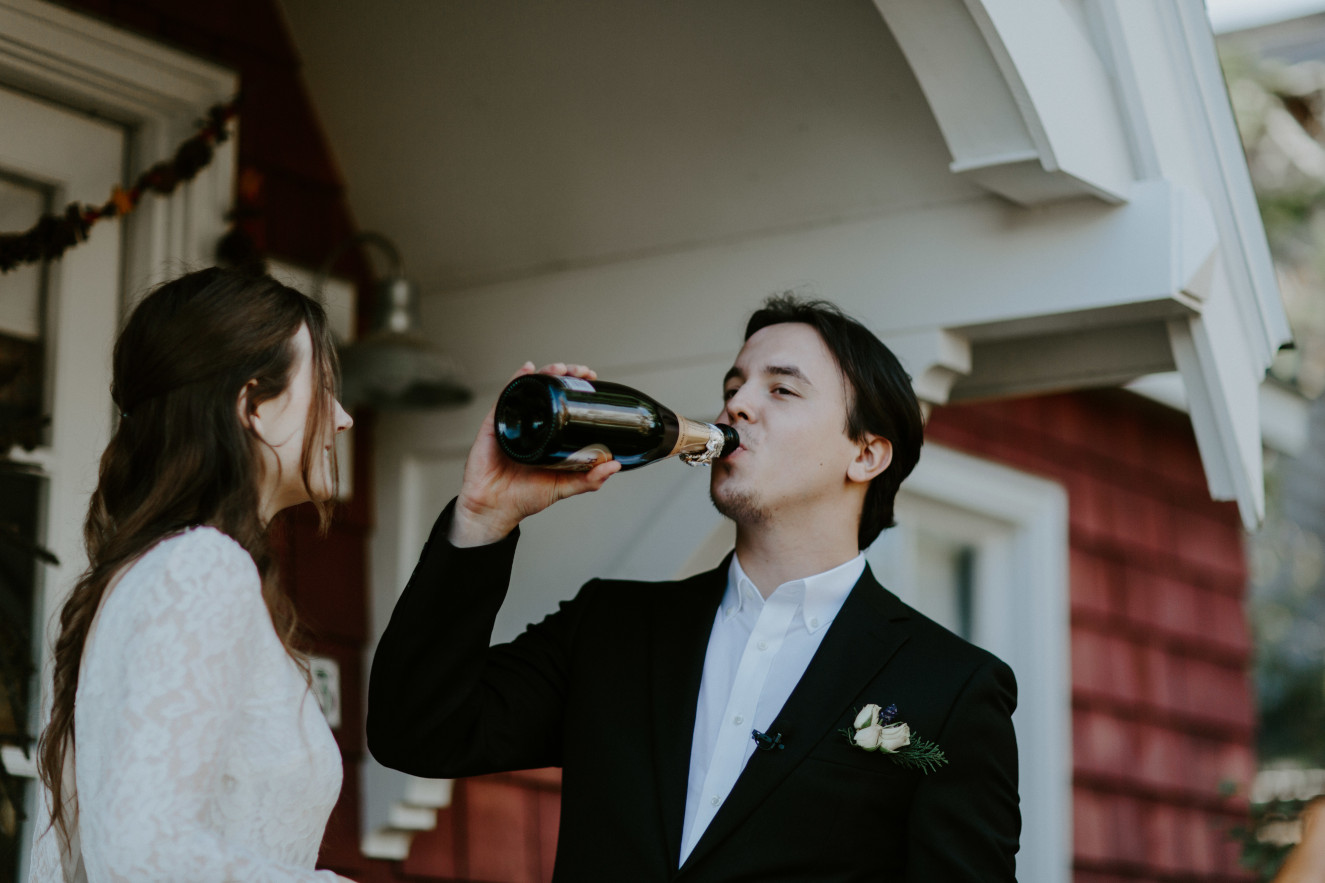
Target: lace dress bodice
<point x="200" y="753"/>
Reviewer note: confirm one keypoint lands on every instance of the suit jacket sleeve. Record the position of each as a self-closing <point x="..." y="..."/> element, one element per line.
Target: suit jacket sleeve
<point x="965" y="822"/>
<point x="441" y="702"/>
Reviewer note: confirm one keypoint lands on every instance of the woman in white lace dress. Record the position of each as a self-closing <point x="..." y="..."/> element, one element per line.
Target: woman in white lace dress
<point x="184" y="743"/>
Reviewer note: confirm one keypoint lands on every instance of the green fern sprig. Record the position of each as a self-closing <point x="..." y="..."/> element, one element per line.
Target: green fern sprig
<point x="920" y="755"/>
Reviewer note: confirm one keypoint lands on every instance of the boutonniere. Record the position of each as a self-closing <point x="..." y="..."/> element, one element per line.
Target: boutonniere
<point x="877" y="729"/>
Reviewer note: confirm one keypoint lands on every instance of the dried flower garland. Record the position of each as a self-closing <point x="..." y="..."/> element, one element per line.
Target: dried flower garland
<point x="56" y="233"/>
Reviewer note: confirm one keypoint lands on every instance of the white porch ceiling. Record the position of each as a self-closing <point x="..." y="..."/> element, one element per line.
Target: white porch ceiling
<point x="502" y="139"/>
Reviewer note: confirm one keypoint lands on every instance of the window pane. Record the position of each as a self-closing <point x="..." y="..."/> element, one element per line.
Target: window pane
<point x="21" y="205"/>
<point x="20" y="506"/>
<point x="22" y="320"/>
<point x="945" y="577"/>
<point x="22" y="404"/>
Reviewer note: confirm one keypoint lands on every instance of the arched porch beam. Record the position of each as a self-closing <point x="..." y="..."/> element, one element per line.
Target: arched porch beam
<point x="1022" y="98"/>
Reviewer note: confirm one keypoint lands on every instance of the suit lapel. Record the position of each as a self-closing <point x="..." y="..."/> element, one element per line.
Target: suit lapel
<point x="861" y="640"/>
<point x="680" y="636"/>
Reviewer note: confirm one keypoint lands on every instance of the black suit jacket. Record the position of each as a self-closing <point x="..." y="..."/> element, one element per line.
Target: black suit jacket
<point x="606" y="688"/>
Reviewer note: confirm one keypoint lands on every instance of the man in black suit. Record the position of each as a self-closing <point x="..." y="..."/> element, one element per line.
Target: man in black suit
<point x="719" y="728"/>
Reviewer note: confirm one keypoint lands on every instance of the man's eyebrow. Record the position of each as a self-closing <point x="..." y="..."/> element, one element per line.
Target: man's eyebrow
<point x="789" y="371"/>
<point x="734" y="373"/>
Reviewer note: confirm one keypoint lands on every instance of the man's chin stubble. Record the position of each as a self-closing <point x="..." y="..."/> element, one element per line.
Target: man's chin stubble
<point x="741" y="507"/>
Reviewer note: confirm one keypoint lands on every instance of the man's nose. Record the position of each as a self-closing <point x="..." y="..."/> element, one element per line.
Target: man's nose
<point x="737" y="407"/>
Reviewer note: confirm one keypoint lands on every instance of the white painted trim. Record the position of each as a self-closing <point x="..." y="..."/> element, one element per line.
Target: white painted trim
<point x="1222" y="380"/>
<point x="1023" y="617"/>
<point x="84" y="62"/>
<point x="1023" y="100"/>
<point x="935" y="359"/>
<point x="1285" y="414"/>
<point x="1224" y="164"/>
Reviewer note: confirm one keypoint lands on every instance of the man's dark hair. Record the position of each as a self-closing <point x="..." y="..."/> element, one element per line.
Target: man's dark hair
<point x="880" y="399"/>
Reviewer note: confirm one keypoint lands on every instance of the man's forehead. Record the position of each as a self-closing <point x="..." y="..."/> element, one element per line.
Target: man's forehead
<point x="791" y="349"/>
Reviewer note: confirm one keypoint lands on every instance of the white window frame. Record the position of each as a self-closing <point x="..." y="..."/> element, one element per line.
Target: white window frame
<point x="1022" y="615"/>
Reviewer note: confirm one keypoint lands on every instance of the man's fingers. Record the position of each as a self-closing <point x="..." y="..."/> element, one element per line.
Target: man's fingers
<point x="603" y="471"/>
<point x="564" y="368"/>
<point x="585" y="482"/>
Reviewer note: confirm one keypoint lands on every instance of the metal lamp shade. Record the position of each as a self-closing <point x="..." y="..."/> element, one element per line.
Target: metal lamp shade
<point x="394" y="366"/>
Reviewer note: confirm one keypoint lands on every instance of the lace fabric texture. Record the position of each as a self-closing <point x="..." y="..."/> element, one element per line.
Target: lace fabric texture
<point x="200" y="753"/>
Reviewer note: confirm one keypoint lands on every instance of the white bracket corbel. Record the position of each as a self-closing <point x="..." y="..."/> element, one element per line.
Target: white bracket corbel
<point x="935" y="358"/>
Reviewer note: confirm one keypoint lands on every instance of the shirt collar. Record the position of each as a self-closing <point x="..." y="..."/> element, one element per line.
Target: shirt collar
<point x="825" y="593"/>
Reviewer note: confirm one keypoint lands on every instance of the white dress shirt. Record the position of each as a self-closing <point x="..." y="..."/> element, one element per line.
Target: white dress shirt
<point x="758" y="650"/>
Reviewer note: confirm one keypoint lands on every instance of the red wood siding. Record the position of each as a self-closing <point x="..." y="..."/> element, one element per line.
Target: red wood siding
<point x="1162" y="710"/>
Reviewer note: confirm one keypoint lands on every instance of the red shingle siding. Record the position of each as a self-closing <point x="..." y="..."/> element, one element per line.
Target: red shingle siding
<point x="1163" y="713"/>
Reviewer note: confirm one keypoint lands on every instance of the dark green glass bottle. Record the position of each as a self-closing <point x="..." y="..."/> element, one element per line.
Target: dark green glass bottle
<point x="570" y="423"/>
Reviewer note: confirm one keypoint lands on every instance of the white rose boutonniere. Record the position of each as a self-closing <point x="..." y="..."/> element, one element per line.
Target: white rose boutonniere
<point x="895" y="738"/>
<point x="869" y="738"/>
<point x="876" y="729"/>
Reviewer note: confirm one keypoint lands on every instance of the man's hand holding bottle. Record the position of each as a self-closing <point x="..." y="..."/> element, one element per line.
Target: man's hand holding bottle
<point x="498" y="493"/>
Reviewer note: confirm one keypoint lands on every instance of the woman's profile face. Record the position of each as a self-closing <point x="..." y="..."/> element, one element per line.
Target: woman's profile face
<point x="283" y="422"/>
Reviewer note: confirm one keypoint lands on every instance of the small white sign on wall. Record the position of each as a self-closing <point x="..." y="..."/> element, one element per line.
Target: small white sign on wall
<point x="326" y="687"/>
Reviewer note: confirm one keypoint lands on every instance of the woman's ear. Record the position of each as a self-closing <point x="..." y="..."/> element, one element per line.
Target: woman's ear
<point x="872" y="457"/>
<point x="248" y="416"/>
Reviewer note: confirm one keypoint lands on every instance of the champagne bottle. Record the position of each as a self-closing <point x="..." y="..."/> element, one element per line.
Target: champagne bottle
<point x="570" y="423"/>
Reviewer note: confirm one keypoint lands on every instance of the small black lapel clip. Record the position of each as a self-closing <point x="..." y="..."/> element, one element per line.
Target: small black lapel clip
<point x="767" y="742"/>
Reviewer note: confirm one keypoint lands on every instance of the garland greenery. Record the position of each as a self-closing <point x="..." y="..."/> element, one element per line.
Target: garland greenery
<point x="54" y="234"/>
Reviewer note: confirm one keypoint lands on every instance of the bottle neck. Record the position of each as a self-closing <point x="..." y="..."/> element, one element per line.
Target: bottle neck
<point x="696" y="438"/>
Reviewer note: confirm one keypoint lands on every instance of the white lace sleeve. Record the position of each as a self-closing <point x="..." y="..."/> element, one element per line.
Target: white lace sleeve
<point x="172" y="730"/>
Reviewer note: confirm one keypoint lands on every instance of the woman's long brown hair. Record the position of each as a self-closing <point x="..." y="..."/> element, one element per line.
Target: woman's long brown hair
<point x="181" y="456"/>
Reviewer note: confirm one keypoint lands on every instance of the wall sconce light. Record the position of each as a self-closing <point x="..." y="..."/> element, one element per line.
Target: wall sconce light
<point x="394" y="366"/>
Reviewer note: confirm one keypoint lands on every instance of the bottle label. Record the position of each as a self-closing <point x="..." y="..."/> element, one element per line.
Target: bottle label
<point x="586" y="458"/>
<point x="576" y="383"/>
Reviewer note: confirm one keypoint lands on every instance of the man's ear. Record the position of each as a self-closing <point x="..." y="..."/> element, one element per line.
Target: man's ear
<point x="873" y="455"/>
